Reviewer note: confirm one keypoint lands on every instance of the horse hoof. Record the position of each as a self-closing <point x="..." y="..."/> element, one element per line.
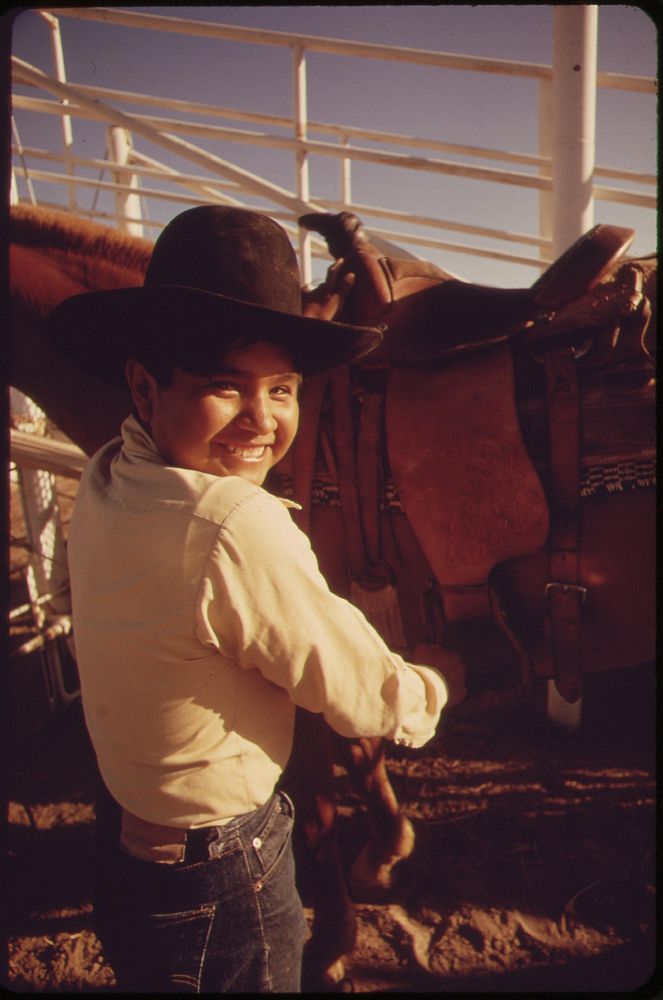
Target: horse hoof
<point x="330" y="980"/>
<point x="373" y="874"/>
<point x="374" y="884"/>
<point x="372" y="878"/>
<point x="336" y="981"/>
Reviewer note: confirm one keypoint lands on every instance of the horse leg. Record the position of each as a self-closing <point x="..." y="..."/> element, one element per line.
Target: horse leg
<point x="391" y="832"/>
<point x="309" y="779"/>
<point x="334" y="930"/>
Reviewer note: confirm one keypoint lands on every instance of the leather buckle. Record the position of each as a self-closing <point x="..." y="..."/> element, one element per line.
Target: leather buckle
<point x="565" y="587"/>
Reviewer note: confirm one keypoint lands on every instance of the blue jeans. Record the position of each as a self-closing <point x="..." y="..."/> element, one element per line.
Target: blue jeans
<point x="230" y="922"/>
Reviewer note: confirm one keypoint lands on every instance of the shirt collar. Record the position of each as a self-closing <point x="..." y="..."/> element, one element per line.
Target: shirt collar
<point x="137" y="443"/>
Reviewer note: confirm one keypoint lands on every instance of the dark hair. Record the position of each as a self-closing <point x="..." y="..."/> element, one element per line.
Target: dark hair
<point x="193" y="354"/>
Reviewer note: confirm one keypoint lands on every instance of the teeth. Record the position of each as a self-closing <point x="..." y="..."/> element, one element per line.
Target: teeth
<point x="251" y="454"/>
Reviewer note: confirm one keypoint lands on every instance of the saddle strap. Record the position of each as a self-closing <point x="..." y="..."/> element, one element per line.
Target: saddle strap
<point x="305" y="447"/>
<point x="369" y="472"/>
<point x="346" y="468"/>
<point x="372" y="587"/>
<point x="564" y="595"/>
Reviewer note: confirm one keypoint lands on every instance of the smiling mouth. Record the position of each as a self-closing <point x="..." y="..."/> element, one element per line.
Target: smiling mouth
<point x="246" y="454"/>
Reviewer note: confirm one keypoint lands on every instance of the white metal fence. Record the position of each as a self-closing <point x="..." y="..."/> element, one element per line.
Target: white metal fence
<point x="138" y="182"/>
<point x="46" y="613"/>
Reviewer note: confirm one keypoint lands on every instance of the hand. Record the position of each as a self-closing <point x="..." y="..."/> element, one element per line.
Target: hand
<point x="449" y="664"/>
<point x="327" y="300"/>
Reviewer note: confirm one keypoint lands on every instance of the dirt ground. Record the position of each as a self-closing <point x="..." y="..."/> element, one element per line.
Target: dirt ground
<point x="534" y="868"/>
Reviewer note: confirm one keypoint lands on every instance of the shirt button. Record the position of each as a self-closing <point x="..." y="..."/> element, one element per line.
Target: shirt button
<point x="257" y="843"/>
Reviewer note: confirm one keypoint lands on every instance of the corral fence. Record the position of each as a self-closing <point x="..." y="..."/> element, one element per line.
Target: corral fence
<point x="563" y="172"/>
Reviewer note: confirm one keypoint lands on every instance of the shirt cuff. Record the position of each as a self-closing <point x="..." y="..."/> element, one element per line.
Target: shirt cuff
<point x="422" y="694"/>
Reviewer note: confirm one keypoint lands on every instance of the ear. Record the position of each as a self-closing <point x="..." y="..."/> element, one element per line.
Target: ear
<point x="143" y="388"/>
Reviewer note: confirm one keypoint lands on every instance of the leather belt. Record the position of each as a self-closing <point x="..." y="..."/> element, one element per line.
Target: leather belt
<point x="165" y="845"/>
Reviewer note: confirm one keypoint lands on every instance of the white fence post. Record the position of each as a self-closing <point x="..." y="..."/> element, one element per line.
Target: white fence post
<point x="346" y="175"/>
<point x="573" y="160"/>
<point x="126" y="204"/>
<point x="545" y="149"/>
<point x="301" y="156"/>
<point x="60" y="74"/>
<point x="575" y="31"/>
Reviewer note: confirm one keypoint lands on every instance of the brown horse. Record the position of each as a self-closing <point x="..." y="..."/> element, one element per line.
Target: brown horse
<point x="387" y="532"/>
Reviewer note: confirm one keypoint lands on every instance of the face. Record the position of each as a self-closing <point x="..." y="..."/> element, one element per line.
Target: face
<point x="238" y="422"/>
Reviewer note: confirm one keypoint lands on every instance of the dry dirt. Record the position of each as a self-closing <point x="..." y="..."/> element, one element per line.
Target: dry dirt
<point x="534" y="867"/>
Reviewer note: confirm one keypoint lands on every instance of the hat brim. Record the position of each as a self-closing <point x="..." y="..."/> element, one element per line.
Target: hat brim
<point x="100" y="331"/>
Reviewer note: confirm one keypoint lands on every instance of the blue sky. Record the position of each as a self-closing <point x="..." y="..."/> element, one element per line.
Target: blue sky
<point x="472" y="108"/>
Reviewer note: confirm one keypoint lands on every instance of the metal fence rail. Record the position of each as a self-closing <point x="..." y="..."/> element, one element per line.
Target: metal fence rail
<point x="137" y="181"/>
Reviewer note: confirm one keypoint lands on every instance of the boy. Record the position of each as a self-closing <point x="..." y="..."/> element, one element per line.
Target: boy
<point x="200" y="616"/>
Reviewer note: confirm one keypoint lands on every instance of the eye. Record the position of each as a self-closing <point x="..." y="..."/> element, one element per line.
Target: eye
<point x="282" y="390"/>
<point x="285" y="389"/>
<point x="222" y="388"/>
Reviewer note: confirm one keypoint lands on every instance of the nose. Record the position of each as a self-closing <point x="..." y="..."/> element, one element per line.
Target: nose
<point x="256" y="415"/>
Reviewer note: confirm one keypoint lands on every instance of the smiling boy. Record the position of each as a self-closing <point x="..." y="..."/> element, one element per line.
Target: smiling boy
<point x="200" y="616"/>
<point x="238" y="422"/>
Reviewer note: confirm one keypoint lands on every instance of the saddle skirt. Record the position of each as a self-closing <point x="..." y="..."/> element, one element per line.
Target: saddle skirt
<point x="460" y="466"/>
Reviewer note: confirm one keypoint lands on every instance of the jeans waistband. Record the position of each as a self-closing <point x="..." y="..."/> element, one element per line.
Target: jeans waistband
<point x="169" y="845"/>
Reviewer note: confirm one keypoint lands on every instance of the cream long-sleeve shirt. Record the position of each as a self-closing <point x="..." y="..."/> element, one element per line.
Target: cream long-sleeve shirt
<point x="200" y="620"/>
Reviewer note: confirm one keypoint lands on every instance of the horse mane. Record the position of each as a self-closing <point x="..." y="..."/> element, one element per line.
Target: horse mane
<point x="49" y="228"/>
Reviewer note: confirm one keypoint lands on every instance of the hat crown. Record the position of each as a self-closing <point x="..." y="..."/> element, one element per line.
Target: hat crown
<point x="228" y="251"/>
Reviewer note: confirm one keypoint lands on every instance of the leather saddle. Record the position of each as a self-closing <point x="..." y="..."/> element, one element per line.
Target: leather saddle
<point x="428" y="315"/>
<point x="464" y="476"/>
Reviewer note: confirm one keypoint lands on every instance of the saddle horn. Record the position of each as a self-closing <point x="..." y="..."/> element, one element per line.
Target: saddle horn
<point x="344" y="233"/>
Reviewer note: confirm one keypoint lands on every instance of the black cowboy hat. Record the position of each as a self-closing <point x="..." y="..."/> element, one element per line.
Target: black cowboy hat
<point x="219" y="278"/>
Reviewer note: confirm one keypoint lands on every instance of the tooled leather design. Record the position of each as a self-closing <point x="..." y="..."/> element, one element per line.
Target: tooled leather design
<point x="461" y="469"/>
<point x="493" y="499"/>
